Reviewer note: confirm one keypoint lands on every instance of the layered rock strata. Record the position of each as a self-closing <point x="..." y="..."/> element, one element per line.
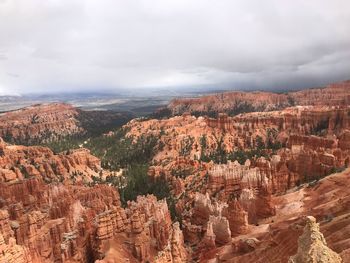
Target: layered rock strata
<point x="238" y="102"/>
<point x="24" y="162"/>
<point x="51" y="122"/>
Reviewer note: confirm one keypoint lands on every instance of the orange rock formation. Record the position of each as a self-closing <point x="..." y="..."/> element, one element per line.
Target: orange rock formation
<point x="337" y="94"/>
<point x="49" y="122"/>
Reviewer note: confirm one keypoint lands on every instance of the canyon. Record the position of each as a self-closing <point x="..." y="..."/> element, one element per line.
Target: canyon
<point x="267" y="185"/>
<point x="49" y="212"/>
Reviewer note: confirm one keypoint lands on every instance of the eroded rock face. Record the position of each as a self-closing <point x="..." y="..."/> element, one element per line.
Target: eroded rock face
<point x="175" y="251"/>
<point x="301" y="120"/>
<point x="239" y="102"/>
<point x="50" y="122"/>
<point x="312" y="246"/>
<point x="5" y="226"/>
<point x="233" y="178"/>
<point x="178" y="251"/>
<point x="237" y="218"/>
<point x="276" y="239"/>
<point x="10" y="252"/>
<point x="80" y="224"/>
<point x="57" y="215"/>
<point x="39" y="123"/>
<point x="204" y="207"/>
<point x="146" y="225"/>
<point x="299" y="144"/>
<point x="48" y="200"/>
<point x="22" y="162"/>
<point x="150" y="220"/>
<point x="73" y="222"/>
<point x="221" y="229"/>
<point x="248" y="187"/>
<point x="303" y="144"/>
<point x="208" y="241"/>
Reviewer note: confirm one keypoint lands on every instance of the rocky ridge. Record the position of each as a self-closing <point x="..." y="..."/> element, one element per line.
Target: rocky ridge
<point x="236" y="102"/>
<point x="50" y="122"/>
<point x="22" y="162"/>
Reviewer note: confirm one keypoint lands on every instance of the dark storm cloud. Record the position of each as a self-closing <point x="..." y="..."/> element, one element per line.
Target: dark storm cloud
<point x="69" y="45"/>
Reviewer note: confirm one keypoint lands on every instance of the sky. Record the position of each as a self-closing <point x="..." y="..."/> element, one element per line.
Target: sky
<point x="107" y="45"/>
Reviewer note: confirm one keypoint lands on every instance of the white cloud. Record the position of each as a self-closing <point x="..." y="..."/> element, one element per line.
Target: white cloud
<point x="79" y="44"/>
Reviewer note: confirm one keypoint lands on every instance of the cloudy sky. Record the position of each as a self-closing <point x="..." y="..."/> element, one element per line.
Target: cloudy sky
<point x="74" y="45"/>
